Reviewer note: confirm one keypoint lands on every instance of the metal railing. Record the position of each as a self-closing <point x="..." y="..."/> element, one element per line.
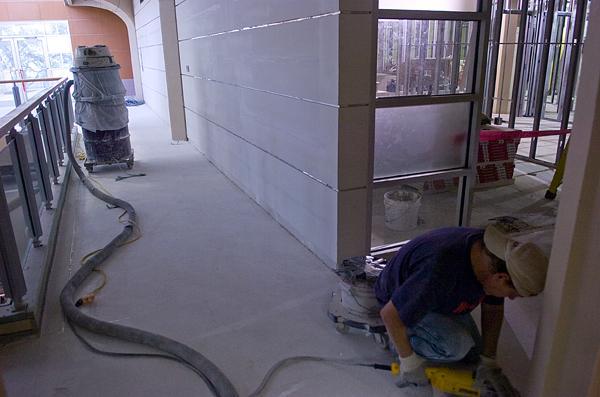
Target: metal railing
<point x="32" y="138"/>
<point x="17" y="93"/>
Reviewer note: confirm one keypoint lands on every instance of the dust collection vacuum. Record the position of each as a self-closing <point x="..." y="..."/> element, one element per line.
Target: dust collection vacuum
<point x="100" y="108"/>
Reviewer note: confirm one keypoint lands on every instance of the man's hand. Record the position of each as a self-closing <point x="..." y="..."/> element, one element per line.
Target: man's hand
<point x="412" y="372"/>
<point x="489" y="375"/>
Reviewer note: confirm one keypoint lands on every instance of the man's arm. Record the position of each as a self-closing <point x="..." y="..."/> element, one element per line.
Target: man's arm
<point x="396" y="329"/>
<point x="491" y="324"/>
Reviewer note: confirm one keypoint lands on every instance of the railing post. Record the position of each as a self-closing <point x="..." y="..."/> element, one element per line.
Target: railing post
<point x="71" y="113"/>
<point x="25" y="185"/>
<point x="55" y="122"/>
<point x="11" y="271"/>
<point x="49" y="141"/>
<point x="16" y="94"/>
<point x="38" y="152"/>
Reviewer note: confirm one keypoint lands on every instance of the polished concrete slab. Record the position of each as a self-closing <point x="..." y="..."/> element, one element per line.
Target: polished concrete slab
<point x="212" y="270"/>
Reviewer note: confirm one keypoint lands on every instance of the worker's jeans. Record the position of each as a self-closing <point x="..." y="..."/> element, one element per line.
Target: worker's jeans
<point x="446" y="338"/>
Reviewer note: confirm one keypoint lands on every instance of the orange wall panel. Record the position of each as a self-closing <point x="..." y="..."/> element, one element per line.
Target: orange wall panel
<point x="53" y="10"/>
<point x="87" y="25"/>
<point x="26" y="11"/>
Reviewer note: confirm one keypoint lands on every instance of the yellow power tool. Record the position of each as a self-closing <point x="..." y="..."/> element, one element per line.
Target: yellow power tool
<point x="458" y="382"/>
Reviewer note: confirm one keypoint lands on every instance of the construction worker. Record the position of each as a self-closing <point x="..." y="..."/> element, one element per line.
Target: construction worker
<point x="429" y="288"/>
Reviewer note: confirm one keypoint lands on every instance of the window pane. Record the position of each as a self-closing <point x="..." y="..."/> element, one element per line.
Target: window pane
<point x="59" y="44"/>
<point x="6" y="56"/>
<point x="409" y="218"/>
<point x="31" y="52"/>
<point x="417" y="139"/>
<point x="429" y="5"/>
<point x="425" y="57"/>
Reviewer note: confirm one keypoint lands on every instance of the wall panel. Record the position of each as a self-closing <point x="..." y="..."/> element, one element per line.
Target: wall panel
<point x="303" y="133"/>
<point x="306" y="208"/>
<point x="277" y="95"/>
<point x="297" y="59"/>
<point x="150" y="51"/>
<point x="203" y="17"/>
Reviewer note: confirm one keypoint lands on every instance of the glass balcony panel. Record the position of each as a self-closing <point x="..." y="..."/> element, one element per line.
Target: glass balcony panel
<point x="33" y="168"/>
<point x="15" y="201"/>
<point x="396" y="220"/>
<point x="418" y="57"/>
<point x="418" y="139"/>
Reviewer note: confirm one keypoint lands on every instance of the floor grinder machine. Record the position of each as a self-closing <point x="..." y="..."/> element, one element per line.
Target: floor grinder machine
<point x="100" y="108"/>
<point x="353" y="304"/>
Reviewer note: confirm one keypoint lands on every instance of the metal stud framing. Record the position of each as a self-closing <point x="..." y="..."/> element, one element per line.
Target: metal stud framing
<point x="572" y="72"/>
<point x="546" y="63"/>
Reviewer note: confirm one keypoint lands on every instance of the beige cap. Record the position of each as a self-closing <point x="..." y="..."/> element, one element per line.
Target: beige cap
<point x="526" y="255"/>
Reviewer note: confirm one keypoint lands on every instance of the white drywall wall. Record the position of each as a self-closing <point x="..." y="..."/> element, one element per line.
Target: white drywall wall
<point x="276" y="94"/>
<point x="149" y="37"/>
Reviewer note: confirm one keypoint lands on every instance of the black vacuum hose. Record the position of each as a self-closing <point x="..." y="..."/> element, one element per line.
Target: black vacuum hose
<point x="216" y="380"/>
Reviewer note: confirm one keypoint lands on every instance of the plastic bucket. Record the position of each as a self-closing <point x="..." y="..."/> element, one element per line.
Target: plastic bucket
<point x="402" y="208"/>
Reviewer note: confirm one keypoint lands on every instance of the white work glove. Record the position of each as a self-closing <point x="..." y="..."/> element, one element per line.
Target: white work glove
<point x="412" y="372"/>
<point x="489" y="376"/>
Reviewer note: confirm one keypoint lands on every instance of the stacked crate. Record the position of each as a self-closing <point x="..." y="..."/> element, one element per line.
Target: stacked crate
<point x="496" y="160"/>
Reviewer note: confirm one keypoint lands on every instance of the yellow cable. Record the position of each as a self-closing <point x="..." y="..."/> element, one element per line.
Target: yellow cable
<point x="89" y="298"/>
<point x="102" y="284"/>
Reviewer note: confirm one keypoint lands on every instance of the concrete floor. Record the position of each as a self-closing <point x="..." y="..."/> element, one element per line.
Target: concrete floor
<point x="212" y="270"/>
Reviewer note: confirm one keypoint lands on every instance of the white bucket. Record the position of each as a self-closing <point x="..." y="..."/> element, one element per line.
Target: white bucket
<point x="402" y="208"/>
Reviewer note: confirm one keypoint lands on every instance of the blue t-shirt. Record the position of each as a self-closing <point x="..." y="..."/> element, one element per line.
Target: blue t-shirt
<point x="433" y="273"/>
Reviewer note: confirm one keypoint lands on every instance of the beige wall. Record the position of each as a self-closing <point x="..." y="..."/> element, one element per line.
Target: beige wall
<point x="87" y="25"/>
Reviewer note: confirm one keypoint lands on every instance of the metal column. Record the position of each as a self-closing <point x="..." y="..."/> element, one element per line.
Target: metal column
<point x="467" y="182"/>
<point x="407" y="57"/>
<point x="572" y="72"/>
<point x="490" y="82"/>
<point x="518" y="64"/>
<point x="540" y="93"/>
<point x="438" y="53"/>
<point x="456" y="56"/>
